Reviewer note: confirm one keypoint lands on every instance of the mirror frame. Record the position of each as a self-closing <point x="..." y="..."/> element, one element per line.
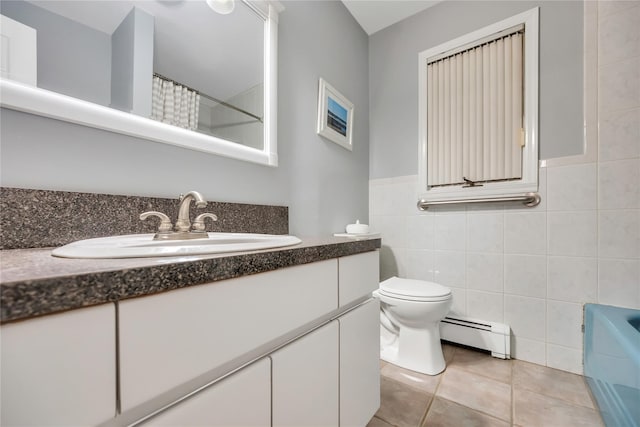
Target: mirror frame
<point x="42" y="102"/>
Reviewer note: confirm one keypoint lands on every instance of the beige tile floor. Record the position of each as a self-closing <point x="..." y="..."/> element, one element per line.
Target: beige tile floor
<point x="477" y="390"/>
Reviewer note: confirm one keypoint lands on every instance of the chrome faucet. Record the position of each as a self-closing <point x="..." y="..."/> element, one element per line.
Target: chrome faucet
<point x="183" y="223"/>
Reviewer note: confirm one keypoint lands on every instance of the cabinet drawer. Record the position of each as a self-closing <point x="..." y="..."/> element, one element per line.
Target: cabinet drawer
<point x="358" y="276"/>
<point x="60" y="369"/>
<point x="243" y="399"/>
<point x="168" y="339"/>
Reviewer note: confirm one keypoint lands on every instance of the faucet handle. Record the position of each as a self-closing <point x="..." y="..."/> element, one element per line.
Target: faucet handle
<point x="198" y="223"/>
<point x="165" y="222"/>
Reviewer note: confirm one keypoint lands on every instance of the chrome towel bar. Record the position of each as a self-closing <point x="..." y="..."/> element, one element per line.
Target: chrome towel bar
<point x="528" y="199"/>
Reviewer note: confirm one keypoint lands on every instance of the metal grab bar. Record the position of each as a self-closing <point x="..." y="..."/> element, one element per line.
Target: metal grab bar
<point x="528" y="199"/>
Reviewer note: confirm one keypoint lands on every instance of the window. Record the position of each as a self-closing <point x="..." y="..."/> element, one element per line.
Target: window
<point x="478" y="109"/>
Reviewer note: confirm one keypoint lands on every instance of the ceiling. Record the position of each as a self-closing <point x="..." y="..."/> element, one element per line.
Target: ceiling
<point x="374" y="15"/>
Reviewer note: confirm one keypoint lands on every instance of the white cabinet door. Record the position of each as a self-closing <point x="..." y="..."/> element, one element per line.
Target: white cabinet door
<point x="60" y="369"/>
<point x="360" y="364"/>
<point x="305" y="380"/>
<point x="242" y="399"/>
<point x="174" y="337"/>
<point x="358" y="276"/>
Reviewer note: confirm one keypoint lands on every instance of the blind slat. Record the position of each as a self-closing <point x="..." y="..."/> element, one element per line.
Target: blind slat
<point x="517" y="104"/>
<point x="430" y="122"/>
<point x="470" y="173"/>
<point x="459" y="120"/>
<point x="486" y="115"/>
<point x="500" y="123"/>
<point x="453" y="104"/>
<point x="508" y="95"/>
<point x="465" y="115"/>
<point x="493" y="111"/>
<point x="479" y="119"/>
<point x="446" y="143"/>
<point x="441" y="115"/>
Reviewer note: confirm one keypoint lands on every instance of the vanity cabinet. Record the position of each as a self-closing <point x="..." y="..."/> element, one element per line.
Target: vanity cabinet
<point x="242" y="399"/>
<point x="315" y="323"/>
<point x="330" y="376"/>
<point x="291" y="347"/>
<point x="169" y="339"/>
<point x="359" y="364"/>
<point x="59" y="369"/>
<point x="358" y="276"/>
<point x="305" y="380"/>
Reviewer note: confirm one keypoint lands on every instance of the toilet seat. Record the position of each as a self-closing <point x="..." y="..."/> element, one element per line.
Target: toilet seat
<point x="414" y="290"/>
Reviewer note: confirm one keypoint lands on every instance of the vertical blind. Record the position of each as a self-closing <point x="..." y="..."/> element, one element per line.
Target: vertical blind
<point x="474" y="112"/>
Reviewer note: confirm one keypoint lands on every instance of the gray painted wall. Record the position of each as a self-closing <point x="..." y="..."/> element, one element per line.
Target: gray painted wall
<point x="324" y="185"/>
<point x="143" y="63"/>
<point x="328" y="184"/>
<point x="393" y="65"/>
<point x="73" y="59"/>
<point x="132" y="63"/>
<point x="122" y="58"/>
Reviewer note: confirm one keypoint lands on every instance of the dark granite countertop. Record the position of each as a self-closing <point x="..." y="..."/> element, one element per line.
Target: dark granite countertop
<point x="34" y="283"/>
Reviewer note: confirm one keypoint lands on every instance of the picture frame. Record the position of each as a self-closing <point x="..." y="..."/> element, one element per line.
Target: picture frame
<point x="335" y="116"/>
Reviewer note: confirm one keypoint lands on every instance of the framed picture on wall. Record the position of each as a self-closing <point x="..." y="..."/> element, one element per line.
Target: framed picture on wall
<point x="335" y="116"/>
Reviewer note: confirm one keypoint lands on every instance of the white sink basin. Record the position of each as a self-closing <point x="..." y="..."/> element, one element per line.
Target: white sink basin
<point x="143" y="245"/>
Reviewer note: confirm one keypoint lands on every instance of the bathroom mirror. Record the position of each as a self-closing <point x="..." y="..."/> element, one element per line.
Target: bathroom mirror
<point x="171" y="71"/>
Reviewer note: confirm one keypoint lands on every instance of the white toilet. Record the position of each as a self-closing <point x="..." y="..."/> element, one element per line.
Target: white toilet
<point x="410" y="315"/>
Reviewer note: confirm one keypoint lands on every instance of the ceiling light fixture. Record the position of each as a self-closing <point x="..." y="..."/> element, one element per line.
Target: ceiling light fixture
<point x="223" y="7"/>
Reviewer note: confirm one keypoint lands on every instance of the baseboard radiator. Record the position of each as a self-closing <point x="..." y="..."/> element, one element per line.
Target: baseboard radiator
<point x="491" y="336"/>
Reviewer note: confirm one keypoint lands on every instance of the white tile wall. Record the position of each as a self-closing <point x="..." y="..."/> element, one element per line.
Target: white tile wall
<point x="619" y="282"/>
<point x="419" y="264"/>
<point x="619" y="234"/>
<point x="618" y="184"/>
<point x="572" y="279"/>
<point x="572" y="233"/>
<point x="525" y="316"/>
<point x="485" y="271"/>
<point x="525" y="275"/>
<point x="449" y="268"/>
<point x="564" y="320"/>
<point x="619" y="33"/>
<point x="565" y="358"/>
<point x="450" y="231"/>
<point x="485" y="232"/>
<point x="571" y="188"/>
<point x="485" y="305"/>
<point x="530" y="350"/>
<point x="459" y="305"/>
<point x="620" y="85"/>
<point x="534" y="268"/>
<point x="525" y="233"/>
<point x="621" y="130"/>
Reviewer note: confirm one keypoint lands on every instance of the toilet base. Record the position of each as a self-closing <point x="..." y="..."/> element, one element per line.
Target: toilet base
<point x="418" y="350"/>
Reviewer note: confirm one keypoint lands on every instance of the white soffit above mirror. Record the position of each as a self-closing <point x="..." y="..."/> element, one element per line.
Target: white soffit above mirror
<point x="50" y="104"/>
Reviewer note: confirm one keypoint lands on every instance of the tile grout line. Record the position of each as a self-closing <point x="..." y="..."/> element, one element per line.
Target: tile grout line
<point x="435" y="391"/>
<point x="513" y="400"/>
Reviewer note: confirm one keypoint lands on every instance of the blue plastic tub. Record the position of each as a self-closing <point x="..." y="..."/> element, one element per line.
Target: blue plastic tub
<point x="612" y="362"/>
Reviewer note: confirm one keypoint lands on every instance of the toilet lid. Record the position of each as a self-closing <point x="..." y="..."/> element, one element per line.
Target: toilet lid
<point x="414" y="288"/>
